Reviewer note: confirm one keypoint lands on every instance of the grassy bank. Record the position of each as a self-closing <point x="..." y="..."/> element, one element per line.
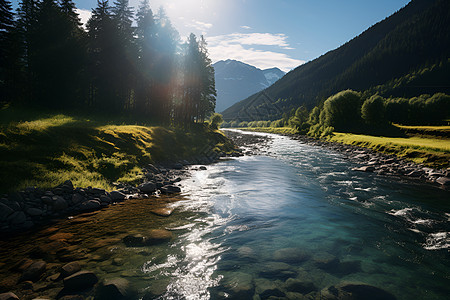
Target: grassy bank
<point x="434" y="152"/>
<point x="422" y="144"/>
<point x="277" y="130"/>
<point x="47" y="150"/>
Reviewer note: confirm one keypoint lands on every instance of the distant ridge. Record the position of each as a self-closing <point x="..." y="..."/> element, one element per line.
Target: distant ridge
<point x="406" y="54"/>
<point x="236" y="80"/>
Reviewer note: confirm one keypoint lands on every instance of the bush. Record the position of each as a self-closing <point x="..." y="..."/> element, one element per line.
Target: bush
<point x="215" y="120"/>
<point x="343" y="110"/>
<point x="277" y="123"/>
<point x="373" y="110"/>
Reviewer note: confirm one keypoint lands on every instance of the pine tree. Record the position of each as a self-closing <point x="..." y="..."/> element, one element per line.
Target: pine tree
<point x="145" y="33"/>
<point x="125" y="52"/>
<point x="25" y="48"/>
<point x="6" y="27"/>
<point x="209" y="93"/>
<point x="101" y="42"/>
<point x="164" y="62"/>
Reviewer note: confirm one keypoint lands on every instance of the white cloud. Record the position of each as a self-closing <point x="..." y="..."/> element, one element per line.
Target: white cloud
<point x="200" y="26"/>
<point x="84" y="15"/>
<point x="245" y="27"/>
<point x="236" y="46"/>
<point x="263" y="39"/>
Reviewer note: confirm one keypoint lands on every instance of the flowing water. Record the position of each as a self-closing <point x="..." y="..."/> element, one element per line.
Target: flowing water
<point x="287" y="223"/>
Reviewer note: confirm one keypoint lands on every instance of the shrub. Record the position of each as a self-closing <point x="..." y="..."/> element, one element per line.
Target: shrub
<point x="215" y="120"/>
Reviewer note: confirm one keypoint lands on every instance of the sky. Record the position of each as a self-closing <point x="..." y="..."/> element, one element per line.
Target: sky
<point x="268" y="33"/>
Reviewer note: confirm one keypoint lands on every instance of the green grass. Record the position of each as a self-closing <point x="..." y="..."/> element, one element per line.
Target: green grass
<point x="439" y="131"/>
<point x="434" y="152"/>
<point x="277" y="130"/>
<point x="46" y="150"/>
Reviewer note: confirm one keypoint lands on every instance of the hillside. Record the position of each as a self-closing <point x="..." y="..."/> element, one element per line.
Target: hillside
<point x="406" y="54"/>
<point x="236" y="80"/>
<point x="46" y="150"/>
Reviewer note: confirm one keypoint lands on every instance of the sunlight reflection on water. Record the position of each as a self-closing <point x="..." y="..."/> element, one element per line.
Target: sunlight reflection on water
<point x="304" y="197"/>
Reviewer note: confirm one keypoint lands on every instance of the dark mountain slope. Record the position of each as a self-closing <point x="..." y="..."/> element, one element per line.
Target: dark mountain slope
<point x="414" y="38"/>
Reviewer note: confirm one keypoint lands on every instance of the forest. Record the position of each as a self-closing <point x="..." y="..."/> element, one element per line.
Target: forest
<point x="120" y="63"/>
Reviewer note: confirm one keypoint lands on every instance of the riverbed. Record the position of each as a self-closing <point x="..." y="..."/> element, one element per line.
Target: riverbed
<point x="293" y="222"/>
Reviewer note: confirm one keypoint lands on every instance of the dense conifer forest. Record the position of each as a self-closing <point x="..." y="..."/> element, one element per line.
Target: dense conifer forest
<point x="121" y="62"/>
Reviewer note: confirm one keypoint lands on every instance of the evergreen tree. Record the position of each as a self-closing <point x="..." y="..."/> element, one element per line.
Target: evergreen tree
<point x="101" y="42"/>
<point x="6" y="27"/>
<point x="124" y="52"/>
<point x="208" y="93"/>
<point x="164" y="67"/>
<point x="25" y="48"/>
<point x="145" y="33"/>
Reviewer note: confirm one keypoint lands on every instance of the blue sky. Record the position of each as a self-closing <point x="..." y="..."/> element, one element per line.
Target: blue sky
<point x="269" y="33"/>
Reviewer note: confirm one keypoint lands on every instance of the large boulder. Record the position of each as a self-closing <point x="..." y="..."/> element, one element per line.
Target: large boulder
<point x="35" y="212"/>
<point x="17" y="218"/>
<point x="5" y="211"/>
<point x="80" y="281"/>
<point x="170" y="189"/>
<point x="147" y="187"/>
<point x="90" y="205"/>
<point x="117" y="196"/>
<point x="59" y="203"/>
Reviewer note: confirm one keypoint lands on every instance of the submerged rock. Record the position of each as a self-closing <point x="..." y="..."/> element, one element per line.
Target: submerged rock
<point x="80" y="281"/>
<point x="34" y="271"/>
<point x="136" y="240"/>
<point x="8" y="296"/>
<point x="69" y="269"/>
<point x="157" y="236"/>
<point x="290" y="255"/>
<point x="355" y="291"/>
<point x="163" y="212"/>
<point x="116" y="288"/>
<point x="303" y="287"/>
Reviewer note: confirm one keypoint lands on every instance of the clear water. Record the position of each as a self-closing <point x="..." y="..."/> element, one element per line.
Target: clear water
<point x="248" y="227"/>
<point x="303" y="205"/>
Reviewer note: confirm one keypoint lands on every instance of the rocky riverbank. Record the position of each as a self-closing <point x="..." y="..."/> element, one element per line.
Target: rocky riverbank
<point x="32" y="207"/>
<point x="367" y="159"/>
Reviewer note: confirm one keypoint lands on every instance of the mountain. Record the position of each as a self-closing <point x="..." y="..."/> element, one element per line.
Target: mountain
<point x="405" y="55"/>
<point x="236" y="80"/>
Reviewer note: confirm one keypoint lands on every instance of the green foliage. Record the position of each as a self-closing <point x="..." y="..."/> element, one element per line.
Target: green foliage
<point x="373" y="110"/>
<point x="215" y="121"/>
<point x="299" y="118"/>
<point x="342" y="111"/>
<point x="277" y="123"/>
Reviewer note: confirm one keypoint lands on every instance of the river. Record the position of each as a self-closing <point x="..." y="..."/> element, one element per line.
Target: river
<point x="289" y="223"/>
